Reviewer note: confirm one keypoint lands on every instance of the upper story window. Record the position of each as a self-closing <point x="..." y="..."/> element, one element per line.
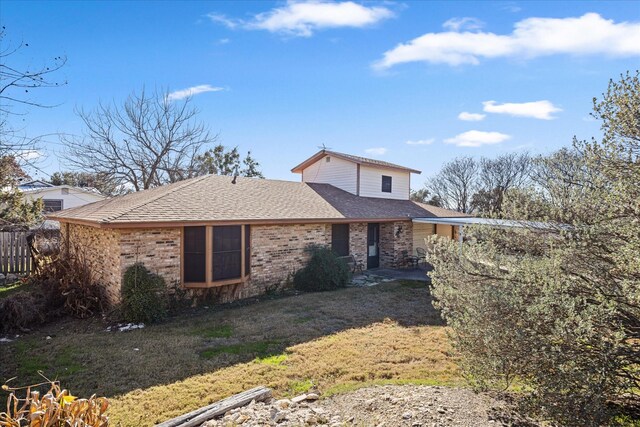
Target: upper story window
<point x="328" y="159"/>
<point x="386" y="184"/>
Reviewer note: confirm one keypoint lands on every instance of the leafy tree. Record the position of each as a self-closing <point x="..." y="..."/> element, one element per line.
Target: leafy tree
<point x="422" y="196"/>
<point x="222" y="161"/>
<point x="15" y="210"/>
<point x="147" y="141"/>
<point x="556" y="306"/>
<point x="86" y="180"/>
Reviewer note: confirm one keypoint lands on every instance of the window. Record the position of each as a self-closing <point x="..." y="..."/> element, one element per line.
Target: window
<point x="386" y="184"/>
<point x="65" y="191"/>
<point x="216" y="255"/>
<point x="340" y="239"/>
<point x="328" y="159"/>
<point x="195" y="253"/>
<point x="52" y="205"/>
<point x="227" y="252"/>
<point x="247" y="250"/>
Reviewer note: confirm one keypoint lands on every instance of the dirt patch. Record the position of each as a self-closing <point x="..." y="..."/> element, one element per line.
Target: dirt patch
<point x="411" y="406"/>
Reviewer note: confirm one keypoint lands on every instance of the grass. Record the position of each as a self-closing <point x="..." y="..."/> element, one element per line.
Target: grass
<point x="354" y="337"/>
<point x="259" y="348"/>
<point x="216" y="331"/>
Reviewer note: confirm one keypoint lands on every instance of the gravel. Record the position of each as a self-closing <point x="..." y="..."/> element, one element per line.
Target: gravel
<point x="383" y="406"/>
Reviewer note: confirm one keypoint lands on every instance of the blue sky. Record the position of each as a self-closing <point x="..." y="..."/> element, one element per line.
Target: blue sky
<point x="364" y="78"/>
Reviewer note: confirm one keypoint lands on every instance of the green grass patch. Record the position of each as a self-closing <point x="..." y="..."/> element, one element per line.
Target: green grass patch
<point x="5" y="291"/>
<point x="259" y="348"/>
<point x="299" y="387"/>
<point x="301" y="320"/>
<point x="275" y="360"/>
<point x="412" y="283"/>
<point x="218" y="331"/>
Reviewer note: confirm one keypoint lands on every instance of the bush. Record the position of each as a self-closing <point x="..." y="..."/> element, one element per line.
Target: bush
<point x="144" y="295"/>
<point x="324" y="272"/>
<point x="56" y="407"/>
<point x="556" y="309"/>
<point x="62" y="284"/>
<point x="68" y="281"/>
<point x="22" y="311"/>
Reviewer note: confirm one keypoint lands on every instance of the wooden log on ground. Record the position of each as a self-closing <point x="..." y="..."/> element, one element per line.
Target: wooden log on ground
<point x="199" y="416"/>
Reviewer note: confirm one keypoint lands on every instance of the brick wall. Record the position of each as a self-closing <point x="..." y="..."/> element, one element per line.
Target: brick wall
<point x="158" y="249"/>
<point x="358" y="242"/>
<point x="278" y="251"/>
<point x="101" y="249"/>
<point x="391" y="247"/>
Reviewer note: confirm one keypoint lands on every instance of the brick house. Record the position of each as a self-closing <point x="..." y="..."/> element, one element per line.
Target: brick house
<point x="239" y="237"/>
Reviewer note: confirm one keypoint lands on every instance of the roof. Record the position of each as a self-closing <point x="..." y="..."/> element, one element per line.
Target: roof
<point x="213" y="198"/>
<point x="493" y="222"/>
<point x="34" y="185"/>
<point x="88" y="190"/>
<point x="355" y="159"/>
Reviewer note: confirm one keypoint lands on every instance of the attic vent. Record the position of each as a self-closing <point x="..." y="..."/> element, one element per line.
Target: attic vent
<point x="328" y="159"/>
<point x="65" y="191"/>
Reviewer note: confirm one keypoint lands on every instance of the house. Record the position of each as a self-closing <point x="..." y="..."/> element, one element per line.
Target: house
<point x="241" y="236"/>
<point x="59" y="197"/>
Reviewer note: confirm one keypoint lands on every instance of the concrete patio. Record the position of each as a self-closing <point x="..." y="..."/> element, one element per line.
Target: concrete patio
<point x="375" y="276"/>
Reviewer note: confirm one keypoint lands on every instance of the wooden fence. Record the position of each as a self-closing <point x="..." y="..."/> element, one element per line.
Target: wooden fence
<point x="15" y="257"/>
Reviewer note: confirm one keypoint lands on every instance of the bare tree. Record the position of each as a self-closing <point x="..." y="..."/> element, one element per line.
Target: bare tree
<point x="456" y="183"/>
<point x="497" y="177"/>
<point x="147" y="141"/>
<point x="16" y="85"/>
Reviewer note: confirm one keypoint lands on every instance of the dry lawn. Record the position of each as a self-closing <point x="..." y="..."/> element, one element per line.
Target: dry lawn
<point x="334" y="341"/>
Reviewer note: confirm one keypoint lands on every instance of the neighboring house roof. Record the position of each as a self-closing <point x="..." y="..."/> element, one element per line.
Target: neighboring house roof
<point x="215" y="198"/>
<point x="355" y="159"/>
<point x="44" y="189"/>
<point x="34" y="185"/>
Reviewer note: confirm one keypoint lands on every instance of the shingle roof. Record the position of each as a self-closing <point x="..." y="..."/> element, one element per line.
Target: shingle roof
<point x="356" y="159"/>
<point x="216" y="198"/>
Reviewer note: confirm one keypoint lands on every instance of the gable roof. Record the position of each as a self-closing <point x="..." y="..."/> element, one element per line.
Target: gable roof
<point x="349" y="157"/>
<point x="87" y="190"/>
<point x="213" y="198"/>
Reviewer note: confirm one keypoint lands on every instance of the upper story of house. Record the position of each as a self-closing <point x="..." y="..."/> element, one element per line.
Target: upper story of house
<point x="357" y="175"/>
<point x="59" y="197"/>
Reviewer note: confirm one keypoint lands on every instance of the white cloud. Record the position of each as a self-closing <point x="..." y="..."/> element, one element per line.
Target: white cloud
<point x="221" y="19"/>
<point x="191" y="91"/>
<point x="27" y="155"/>
<point x="471" y="117"/>
<point x="589" y="34"/>
<point x="421" y="142"/>
<point x="467" y="24"/>
<point x="477" y="138"/>
<point x="223" y="41"/>
<point x="302" y="18"/>
<point x="377" y="151"/>
<point x="542" y="110"/>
